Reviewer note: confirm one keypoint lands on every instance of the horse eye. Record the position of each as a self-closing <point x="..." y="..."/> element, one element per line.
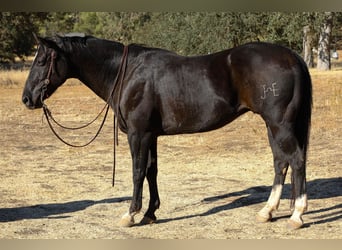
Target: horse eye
<point x="41" y="61"/>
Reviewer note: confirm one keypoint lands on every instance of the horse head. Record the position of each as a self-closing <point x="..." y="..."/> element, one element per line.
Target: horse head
<point x="49" y="70"/>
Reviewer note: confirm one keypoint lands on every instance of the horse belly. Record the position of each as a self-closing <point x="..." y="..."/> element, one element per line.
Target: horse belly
<point x="197" y="117"/>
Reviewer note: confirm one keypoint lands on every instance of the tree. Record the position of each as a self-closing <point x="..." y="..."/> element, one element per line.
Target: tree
<point x="121" y="26"/>
<point x="193" y="33"/>
<point x="88" y="23"/>
<point x="323" y="57"/>
<point x="59" y="23"/>
<point x="16" y="33"/>
<point x="308" y="45"/>
<point x="309" y="37"/>
<point x="188" y="33"/>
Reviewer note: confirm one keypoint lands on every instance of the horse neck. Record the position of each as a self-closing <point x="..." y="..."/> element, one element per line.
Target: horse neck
<point x="97" y="66"/>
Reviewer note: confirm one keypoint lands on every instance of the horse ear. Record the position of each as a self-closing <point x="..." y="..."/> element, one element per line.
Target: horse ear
<point x="36" y="37"/>
<point x="46" y="42"/>
<point x="40" y="40"/>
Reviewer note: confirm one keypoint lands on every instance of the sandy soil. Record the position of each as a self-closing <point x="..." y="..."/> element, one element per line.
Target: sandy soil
<point x="211" y="184"/>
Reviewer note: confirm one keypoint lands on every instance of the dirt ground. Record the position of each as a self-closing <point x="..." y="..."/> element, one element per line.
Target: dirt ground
<point x="211" y="185"/>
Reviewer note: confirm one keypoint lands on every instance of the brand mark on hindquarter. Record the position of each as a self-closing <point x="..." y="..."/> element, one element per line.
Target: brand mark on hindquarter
<point x="270" y="88"/>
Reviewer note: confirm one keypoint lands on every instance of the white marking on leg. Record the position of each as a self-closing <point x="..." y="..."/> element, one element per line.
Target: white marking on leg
<point x="274" y="199"/>
<point x="265" y="214"/>
<point x="301" y="205"/>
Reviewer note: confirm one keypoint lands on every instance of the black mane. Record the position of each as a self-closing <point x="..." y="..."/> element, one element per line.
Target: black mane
<point x="74" y="41"/>
<point x="71" y="43"/>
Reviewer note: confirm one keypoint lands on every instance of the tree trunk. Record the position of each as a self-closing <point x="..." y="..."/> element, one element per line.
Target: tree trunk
<point x="323" y="57"/>
<point x="307" y="46"/>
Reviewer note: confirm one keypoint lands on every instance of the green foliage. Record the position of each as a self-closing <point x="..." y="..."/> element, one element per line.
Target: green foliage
<point x="188" y="33"/>
<point x="194" y="33"/>
<point x="123" y="25"/>
<point x="88" y="23"/>
<point x="285" y="29"/>
<point x="58" y="23"/>
<point x="16" y="34"/>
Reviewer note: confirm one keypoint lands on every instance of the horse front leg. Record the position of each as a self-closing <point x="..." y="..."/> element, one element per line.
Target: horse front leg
<point x="139" y="145"/>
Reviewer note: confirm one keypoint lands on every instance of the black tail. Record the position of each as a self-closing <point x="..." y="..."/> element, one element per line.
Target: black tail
<point x="303" y="120"/>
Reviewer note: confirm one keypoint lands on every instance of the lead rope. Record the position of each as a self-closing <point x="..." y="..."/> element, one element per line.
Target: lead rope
<point x="122" y="70"/>
<point x="48" y="116"/>
<point x="118" y="80"/>
<point x="116" y="143"/>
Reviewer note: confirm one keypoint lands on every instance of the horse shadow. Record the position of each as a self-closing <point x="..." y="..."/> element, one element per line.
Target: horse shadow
<point x="51" y="211"/>
<point x="317" y="189"/>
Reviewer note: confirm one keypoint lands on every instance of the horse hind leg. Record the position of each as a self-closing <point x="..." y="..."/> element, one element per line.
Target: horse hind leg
<point x="151" y="175"/>
<point x="286" y="151"/>
<point x="139" y="145"/>
<point x="280" y="168"/>
<point x="299" y="198"/>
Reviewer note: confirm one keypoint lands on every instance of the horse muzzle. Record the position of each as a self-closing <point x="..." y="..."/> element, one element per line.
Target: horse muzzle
<point x="32" y="102"/>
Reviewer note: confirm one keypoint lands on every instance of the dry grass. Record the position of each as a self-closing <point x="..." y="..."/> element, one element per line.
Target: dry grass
<point x="12" y="78"/>
<point x="17" y="78"/>
<point x="211" y="185"/>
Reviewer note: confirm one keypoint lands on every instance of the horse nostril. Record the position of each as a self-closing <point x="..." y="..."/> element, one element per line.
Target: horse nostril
<point x="26" y="100"/>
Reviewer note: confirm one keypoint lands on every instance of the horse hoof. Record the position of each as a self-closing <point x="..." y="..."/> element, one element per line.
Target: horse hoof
<point x="263" y="218"/>
<point x="126" y="221"/>
<point x="147" y="220"/>
<point x="293" y="225"/>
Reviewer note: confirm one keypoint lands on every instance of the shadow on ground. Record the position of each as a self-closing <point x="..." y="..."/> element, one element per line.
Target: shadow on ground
<point x="317" y="189"/>
<point x="51" y="211"/>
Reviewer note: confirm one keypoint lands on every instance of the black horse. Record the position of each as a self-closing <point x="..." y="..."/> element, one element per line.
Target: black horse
<point x="162" y="93"/>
